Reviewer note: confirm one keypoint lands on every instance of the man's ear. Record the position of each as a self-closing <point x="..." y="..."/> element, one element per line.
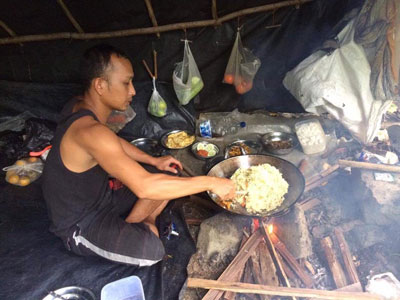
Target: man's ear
<point x="99" y="85"/>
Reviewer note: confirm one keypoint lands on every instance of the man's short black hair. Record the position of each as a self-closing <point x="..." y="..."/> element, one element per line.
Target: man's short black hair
<point x="95" y="62"/>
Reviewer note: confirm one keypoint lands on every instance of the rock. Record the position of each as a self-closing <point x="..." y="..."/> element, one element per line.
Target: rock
<point x="293" y="232"/>
<point x="217" y="244"/>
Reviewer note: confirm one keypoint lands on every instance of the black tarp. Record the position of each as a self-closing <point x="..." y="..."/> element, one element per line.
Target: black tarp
<point x="34" y="261"/>
<point x="280" y="49"/>
<point x="42" y="77"/>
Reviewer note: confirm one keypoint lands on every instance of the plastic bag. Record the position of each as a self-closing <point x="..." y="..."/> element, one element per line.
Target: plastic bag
<point x="118" y="119"/>
<point x="186" y="77"/>
<point x="24" y="171"/>
<point x="339" y="83"/>
<point x="242" y="67"/>
<point x="157" y="105"/>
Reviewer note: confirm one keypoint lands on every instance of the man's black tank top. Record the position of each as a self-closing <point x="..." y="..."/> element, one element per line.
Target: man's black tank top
<point x="71" y="196"/>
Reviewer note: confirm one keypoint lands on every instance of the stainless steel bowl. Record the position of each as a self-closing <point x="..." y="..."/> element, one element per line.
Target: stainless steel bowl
<point x="194" y="150"/>
<point x="242" y="147"/>
<point x="164" y="138"/>
<point x="70" y="292"/>
<point x="279" y="143"/>
<point x="290" y="173"/>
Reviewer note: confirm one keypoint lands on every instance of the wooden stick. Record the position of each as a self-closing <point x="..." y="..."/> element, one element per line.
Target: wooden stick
<point x="369" y="166"/>
<point x="240" y="287"/>
<point x="305" y="278"/>
<point x="147" y="30"/>
<point x="319" y="182"/>
<point x="237" y="263"/>
<point x="333" y="262"/>
<point x="277" y="259"/>
<point x="347" y="257"/>
<point x="148" y="69"/>
<point x="7" y="29"/>
<point x="309" y="203"/>
<point x="151" y="15"/>
<point x="155" y="63"/>
<point x="70" y="16"/>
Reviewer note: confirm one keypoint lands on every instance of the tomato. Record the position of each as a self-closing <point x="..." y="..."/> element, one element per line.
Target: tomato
<point x="228" y="78"/>
<point x="244" y="87"/>
<point x="247" y="84"/>
<point x="202" y="153"/>
<point x="240" y="89"/>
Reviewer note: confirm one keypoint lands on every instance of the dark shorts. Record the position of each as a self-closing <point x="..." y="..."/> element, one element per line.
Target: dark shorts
<point x="105" y="233"/>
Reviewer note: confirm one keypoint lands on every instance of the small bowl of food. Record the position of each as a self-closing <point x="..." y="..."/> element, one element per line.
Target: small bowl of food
<point x="204" y="150"/>
<point x="177" y="139"/>
<point x="242" y="147"/>
<point x="279" y="143"/>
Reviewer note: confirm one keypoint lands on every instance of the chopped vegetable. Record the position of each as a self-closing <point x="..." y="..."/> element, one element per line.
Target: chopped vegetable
<point x="203" y="153"/>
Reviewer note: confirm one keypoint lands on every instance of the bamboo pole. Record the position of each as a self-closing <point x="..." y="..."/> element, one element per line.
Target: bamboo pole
<point x="239" y="287"/>
<point x="147" y="30"/>
<point x="70" y="16"/>
<point x="152" y="16"/>
<point x="369" y="166"/>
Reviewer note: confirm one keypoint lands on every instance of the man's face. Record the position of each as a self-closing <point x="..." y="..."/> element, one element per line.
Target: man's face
<point x="118" y="95"/>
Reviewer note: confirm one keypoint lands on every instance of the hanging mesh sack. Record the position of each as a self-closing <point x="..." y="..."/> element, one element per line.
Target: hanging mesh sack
<point x="157" y="105"/>
<point x="186" y="77"/>
<point x="242" y="67"/>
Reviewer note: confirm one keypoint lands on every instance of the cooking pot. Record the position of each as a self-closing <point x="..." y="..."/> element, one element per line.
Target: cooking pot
<point x="290" y="173"/>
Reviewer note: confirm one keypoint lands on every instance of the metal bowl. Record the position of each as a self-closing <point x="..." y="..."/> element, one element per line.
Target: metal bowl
<point x="70" y="292"/>
<point x="249" y="148"/>
<point x="164" y="138"/>
<point x="194" y="150"/>
<point x="290" y="173"/>
<point x="279" y="143"/>
<point x="145" y="144"/>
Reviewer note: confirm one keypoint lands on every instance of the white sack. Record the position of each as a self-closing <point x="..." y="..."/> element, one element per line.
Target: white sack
<point x="338" y="83"/>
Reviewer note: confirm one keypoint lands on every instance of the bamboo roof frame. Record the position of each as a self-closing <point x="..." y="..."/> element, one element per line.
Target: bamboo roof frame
<point x="149" y="30"/>
<point x="151" y="15"/>
<point x="70" y="16"/>
<point x="7" y="29"/>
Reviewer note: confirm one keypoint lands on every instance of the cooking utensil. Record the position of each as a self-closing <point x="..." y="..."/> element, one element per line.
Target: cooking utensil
<point x="164" y="139"/>
<point x="290" y="173"/>
<point x="70" y="292"/>
<point x="195" y="149"/>
<point x="245" y="147"/>
<point x="279" y="143"/>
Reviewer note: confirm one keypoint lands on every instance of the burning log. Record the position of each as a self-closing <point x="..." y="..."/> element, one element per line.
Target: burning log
<point x="305" y="278"/>
<point x="334" y="265"/>
<point x="309" y="203"/>
<point x="275" y="257"/>
<point x="347" y="257"/>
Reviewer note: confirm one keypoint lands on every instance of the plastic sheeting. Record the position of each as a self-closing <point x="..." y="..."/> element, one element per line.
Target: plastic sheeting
<point x="280" y="49"/>
<point x="34" y="261"/>
<point x="338" y="83"/>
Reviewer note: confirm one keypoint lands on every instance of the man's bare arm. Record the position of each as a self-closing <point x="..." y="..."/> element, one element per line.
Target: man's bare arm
<point x="136" y="154"/>
<point x="105" y="147"/>
<point x="161" y="163"/>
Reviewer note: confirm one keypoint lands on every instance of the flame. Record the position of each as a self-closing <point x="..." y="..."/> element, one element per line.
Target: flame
<point x="270" y="228"/>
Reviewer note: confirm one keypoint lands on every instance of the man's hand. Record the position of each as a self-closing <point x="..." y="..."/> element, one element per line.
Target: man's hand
<point x="224" y="188"/>
<point x="164" y="163"/>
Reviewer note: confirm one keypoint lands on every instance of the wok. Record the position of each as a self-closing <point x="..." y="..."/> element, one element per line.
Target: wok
<point x="290" y="173"/>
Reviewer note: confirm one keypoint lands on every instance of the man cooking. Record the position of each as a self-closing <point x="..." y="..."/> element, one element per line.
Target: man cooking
<point x="90" y="217"/>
